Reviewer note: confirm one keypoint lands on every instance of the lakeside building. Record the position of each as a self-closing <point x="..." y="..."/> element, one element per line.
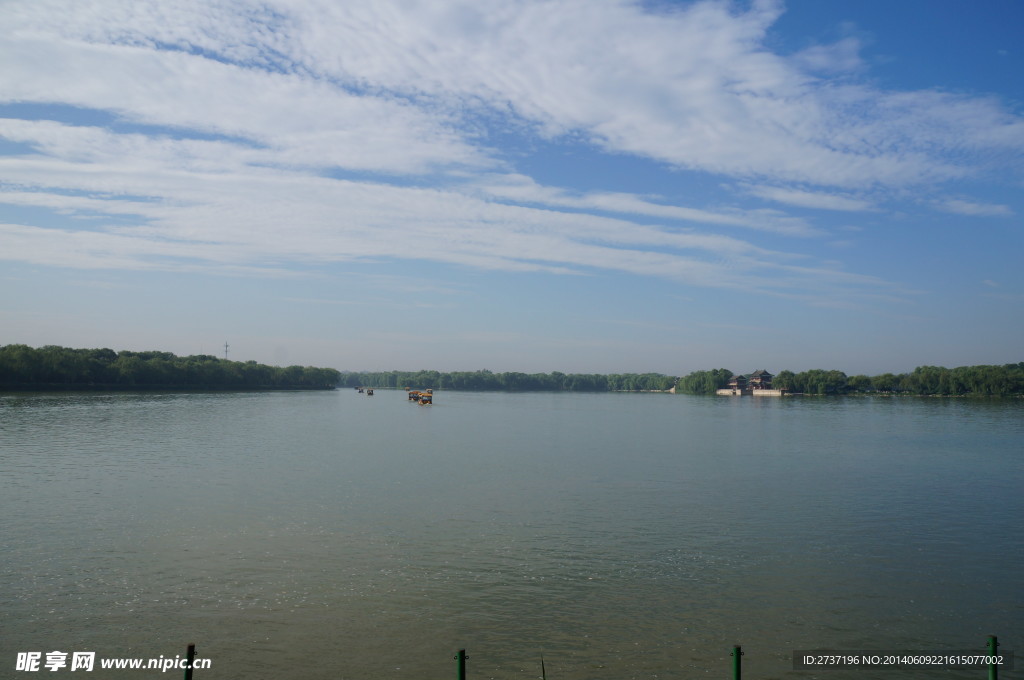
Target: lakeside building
<point x="757" y="384"/>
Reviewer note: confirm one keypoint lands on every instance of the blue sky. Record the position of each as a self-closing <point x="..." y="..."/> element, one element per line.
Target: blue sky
<point x="520" y="186"/>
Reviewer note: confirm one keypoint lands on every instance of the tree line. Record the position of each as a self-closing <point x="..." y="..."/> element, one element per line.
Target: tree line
<point x="22" y="366"/>
<point x="993" y="381"/>
<point x="52" y="366"/>
<point x="511" y="381"/>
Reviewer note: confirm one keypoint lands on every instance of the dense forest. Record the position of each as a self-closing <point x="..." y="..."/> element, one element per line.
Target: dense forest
<point x="54" y="367"/>
<point x="993" y="381"/>
<point x="513" y="382"/>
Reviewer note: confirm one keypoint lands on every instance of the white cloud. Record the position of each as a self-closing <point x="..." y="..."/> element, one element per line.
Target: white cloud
<point x="290" y="119"/>
<point x="836" y="58"/>
<point x="231" y="119"/>
<point x="348" y="83"/>
<point x="973" y="209"/>
<point x="524" y="189"/>
<point x="252" y="218"/>
<point x="809" y="199"/>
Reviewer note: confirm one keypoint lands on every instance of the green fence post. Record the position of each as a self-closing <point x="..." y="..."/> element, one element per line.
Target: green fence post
<point x="993" y="669"/>
<point x="461" y="658"/>
<point x="736" y="654"/>
<point x="190" y="656"/>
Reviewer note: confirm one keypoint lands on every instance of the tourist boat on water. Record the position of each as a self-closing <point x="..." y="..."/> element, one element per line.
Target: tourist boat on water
<point x="424" y="397"/>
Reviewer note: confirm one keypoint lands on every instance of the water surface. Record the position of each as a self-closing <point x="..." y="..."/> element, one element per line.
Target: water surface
<point x="334" y="535"/>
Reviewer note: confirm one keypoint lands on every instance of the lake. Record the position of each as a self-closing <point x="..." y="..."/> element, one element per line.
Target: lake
<point x="334" y="535"/>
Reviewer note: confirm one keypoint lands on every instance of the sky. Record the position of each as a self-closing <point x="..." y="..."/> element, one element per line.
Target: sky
<point x="561" y="185"/>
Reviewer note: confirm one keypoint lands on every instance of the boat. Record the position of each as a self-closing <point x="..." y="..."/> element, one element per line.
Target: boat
<point x="424" y="397"/>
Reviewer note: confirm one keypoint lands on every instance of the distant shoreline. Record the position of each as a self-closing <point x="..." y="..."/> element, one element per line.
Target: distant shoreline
<point x="976" y="381"/>
<point x="54" y="368"/>
<point x="114" y="387"/>
<point x="95" y="370"/>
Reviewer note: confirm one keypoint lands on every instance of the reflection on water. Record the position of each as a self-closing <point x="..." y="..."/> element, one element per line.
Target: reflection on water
<point x="327" y="535"/>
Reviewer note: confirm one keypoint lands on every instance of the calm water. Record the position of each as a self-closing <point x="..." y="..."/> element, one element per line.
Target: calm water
<point x="333" y="535"/>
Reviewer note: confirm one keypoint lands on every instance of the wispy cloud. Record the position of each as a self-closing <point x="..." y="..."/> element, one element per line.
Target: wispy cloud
<point x="263" y="138"/>
<point x="522" y="189"/>
<point x="809" y="199"/>
<point x="973" y="209"/>
<point x="693" y="86"/>
<point x="244" y="215"/>
<point x="842" y="56"/>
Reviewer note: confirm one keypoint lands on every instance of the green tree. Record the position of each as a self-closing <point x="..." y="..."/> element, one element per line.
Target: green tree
<point x="859" y="383"/>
